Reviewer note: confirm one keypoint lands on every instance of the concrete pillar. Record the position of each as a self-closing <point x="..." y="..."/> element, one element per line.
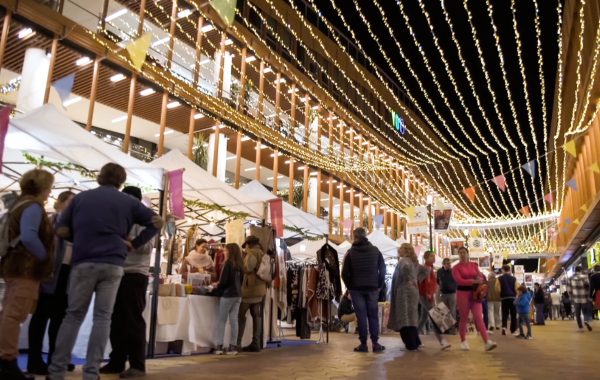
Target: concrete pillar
<point x="33" y="79"/>
<point x="312" y="195"/>
<point x="222" y="152"/>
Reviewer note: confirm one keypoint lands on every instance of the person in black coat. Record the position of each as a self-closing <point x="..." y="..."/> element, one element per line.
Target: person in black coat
<point x="346" y="310"/>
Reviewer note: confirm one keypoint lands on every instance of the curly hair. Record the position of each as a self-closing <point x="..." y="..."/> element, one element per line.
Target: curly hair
<point x="427" y="254"/>
<point x="407" y="250"/>
<point x="35" y="181"/>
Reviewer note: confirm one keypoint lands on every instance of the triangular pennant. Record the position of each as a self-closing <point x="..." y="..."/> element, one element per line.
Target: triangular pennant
<point x="225" y="9"/>
<point x="4" y="119"/>
<point x="584" y="208"/>
<point x="530" y="168"/>
<point x="418" y="249"/>
<point x="571" y="148"/>
<point x="567" y="220"/>
<point x="549" y="198"/>
<point x="138" y="50"/>
<point x="470" y="193"/>
<point x="378" y="220"/>
<point x="536" y="240"/>
<point x="474" y="233"/>
<point x="576" y="221"/>
<point x="439" y="203"/>
<point x="571" y="183"/>
<point x="63" y="86"/>
<point x="410" y="212"/>
<point x="595" y="168"/>
<point x="565" y="230"/>
<point x="499" y="181"/>
<point x="525" y="211"/>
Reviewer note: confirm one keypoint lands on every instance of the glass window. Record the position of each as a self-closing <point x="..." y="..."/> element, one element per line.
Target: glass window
<point x="255" y="20"/>
<point x="286" y="37"/>
<point x="312" y="17"/>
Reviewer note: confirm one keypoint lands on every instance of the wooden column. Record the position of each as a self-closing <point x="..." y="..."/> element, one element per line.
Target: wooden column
<point x="341" y="200"/>
<point x="351" y="145"/>
<point x="163" y="112"/>
<point x="306" y="118"/>
<point x="305" y="188"/>
<point x="132" y="86"/>
<point x="293" y="112"/>
<point x="5" y="29"/>
<point x="220" y="95"/>
<point x="238" y="157"/>
<point x="261" y="89"/>
<point x="258" y="154"/>
<point x="192" y="127"/>
<point x="399" y="224"/>
<point x="361" y="211"/>
<point x="330" y="135"/>
<point x="392" y="225"/>
<point x="342" y="153"/>
<point x="96" y="72"/>
<point x="330" y="203"/>
<point x="275" y="169"/>
<point x="241" y="100"/>
<point x="318" y="195"/>
<point x="51" y="67"/>
<point x="319" y="132"/>
<point x="277" y="100"/>
<point x="221" y="64"/>
<point x="352" y="211"/>
<point x="370" y="215"/>
<point x="377" y="210"/>
<point x="291" y="179"/>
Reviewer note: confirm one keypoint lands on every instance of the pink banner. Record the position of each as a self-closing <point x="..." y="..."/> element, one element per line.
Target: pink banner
<point x="347" y="224"/>
<point x="4" y="118"/>
<point x="276" y="207"/>
<point x="176" y="193"/>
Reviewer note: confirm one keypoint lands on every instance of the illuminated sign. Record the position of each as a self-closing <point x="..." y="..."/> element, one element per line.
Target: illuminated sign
<point x="398" y="123"/>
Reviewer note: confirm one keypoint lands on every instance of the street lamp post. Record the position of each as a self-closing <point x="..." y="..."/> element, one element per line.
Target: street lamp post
<point x="430" y="214"/>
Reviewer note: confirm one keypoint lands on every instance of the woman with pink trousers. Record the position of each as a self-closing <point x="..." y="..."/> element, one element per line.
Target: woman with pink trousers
<point x="467" y="276"/>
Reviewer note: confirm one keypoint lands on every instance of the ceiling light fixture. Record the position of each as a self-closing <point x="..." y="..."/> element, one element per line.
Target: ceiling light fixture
<point x="118" y="13"/>
<point x="83" y="61"/>
<point x="198" y="116"/>
<point x="71" y="101"/>
<point x="173" y="104"/>
<point x="146" y="92"/>
<point x="250" y="59"/>
<point x="116" y="78"/>
<point x="161" y="41"/>
<point x="120" y="118"/>
<point x="207" y="28"/>
<point x="166" y="133"/>
<point x="267" y="70"/>
<point x="184" y="13"/>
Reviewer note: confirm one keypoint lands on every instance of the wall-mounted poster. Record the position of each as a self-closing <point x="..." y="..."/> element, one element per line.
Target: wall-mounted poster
<point x="418" y="224"/>
<point x="477" y="246"/>
<point x="528" y="279"/>
<point x="455" y="245"/>
<point x="519" y="269"/>
<point x="498" y="259"/>
<point x="442" y="217"/>
<point x="484" y="261"/>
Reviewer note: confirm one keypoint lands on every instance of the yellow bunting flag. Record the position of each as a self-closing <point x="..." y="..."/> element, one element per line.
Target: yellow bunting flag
<point x="576" y="221"/>
<point x="439" y="203"/>
<point x="474" y="233"/>
<point x="584" y="208"/>
<point x="138" y="50"/>
<point x="470" y="193"/>
<point x="410" y="212"/>
<point x="225" y="9"/>
<point x="595" y="168"/>
<point x="525" y="211"/>
<point x="571" y="148"/>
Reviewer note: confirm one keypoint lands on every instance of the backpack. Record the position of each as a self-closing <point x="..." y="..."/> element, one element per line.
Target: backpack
<point x="266" y="269"/>
<point x="5" y="244"/>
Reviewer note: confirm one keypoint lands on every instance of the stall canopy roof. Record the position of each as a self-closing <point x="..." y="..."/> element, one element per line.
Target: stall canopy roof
<point x="387" y="246"/>
<point x="292" y="216"/>
<point x="343" y="248"/>
<point x="199" y="185"/>
<point x="47" y="132"/>
<point x="307" y="249"/>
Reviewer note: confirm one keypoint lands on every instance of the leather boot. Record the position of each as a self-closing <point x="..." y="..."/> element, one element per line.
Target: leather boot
<point x="241" y="329"/>
<point x="255" y="346"/>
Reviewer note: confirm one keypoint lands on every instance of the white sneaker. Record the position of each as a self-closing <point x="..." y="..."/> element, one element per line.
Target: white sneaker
<point x="580" y="330"/>
<point x="489" y="345"/>
<point x="490" y="332"/>
<point x="516" y="333"/>
<point x="464" y="346"/>
<point x="444" y="344"/>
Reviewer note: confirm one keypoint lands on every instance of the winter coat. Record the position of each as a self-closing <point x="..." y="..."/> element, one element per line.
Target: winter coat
<point x="363" y="268"/>
<point x="252" y="285"/>
<point x="493" y="293"/>
<point x="522" y="303"/>
<point x="405" y="297"/>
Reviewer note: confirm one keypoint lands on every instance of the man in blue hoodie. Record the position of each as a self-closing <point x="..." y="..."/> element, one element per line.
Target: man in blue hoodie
<point x="98" y="222"/>
<point x="522" y="305"/>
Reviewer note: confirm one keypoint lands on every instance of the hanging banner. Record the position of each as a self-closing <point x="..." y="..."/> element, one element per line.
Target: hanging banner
<point x="498" y="260"/>
<point x="176" y="193"/>
<point x="476" y="247"/>
<point x="519" y="269"/>
<point x="347" y="224"/>
<point x="418" y="224"/>
<point x="442" y="217"/>
<point x="276" y="207"/>
<point x="4" y="119"/>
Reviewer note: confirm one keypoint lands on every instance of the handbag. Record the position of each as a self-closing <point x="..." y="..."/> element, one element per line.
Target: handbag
<point x="480" y="292"/>
<point x="442" y="317"/>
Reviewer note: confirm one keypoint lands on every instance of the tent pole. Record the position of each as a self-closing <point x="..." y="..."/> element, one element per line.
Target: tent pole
<point x="154" y="303"/>
<point x="170" y="261"/>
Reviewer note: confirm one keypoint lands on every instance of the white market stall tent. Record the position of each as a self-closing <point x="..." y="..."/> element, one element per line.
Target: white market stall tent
<point x="292" y="216"/>
<point x="343" y="248"/>
<point x="47" y="132"/>
<point x="307" y="249"/>
<point x="386" y="245"/>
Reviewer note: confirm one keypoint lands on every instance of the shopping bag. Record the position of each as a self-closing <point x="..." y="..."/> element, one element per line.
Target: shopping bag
<point x="441" y="316"/>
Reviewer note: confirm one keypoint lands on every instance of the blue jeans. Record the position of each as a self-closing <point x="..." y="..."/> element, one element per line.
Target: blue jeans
<point x="366" y="309"/>
<point x="85" y="280"/>
<point x="228" y="306"/>
<point x="585" y="309"/>
<point x="524" y="318"/>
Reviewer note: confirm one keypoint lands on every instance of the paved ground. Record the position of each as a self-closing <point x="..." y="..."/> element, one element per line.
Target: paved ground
<point x="557" y="351"/>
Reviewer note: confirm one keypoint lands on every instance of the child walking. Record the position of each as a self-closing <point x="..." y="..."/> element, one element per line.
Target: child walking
<point x="522" y="305"/>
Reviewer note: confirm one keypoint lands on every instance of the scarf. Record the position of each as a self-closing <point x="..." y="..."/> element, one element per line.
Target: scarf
<point x="200" y="260"/>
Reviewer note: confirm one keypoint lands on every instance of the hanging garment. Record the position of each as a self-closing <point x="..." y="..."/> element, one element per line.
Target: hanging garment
<point x="189" y="241"/>
<point x="265" y="237"/>
<point x="234" y="232"/>
<point x="325" y="289"/>
<point x="219" y="260"/>
<point x="330" y="256"/>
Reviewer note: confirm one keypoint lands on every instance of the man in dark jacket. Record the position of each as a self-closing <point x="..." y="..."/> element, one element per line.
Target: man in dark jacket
<point x="507" y="287"/>
<point x="448" y="286"/>
<point x="363" y="273"/>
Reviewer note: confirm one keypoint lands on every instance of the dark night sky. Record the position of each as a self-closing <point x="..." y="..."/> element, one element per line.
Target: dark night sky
<point x="502" y="16"/>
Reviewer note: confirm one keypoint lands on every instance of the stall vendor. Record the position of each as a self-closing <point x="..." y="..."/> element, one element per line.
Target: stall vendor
<point x="198" y="261"/>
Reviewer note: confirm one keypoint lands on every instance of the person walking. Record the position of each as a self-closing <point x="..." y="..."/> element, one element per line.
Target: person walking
<point x="507" y="287"/>
<point x="447" y="287"/>
<point x="467" y="276"/>
<point x="555" y="304"/>
<point x="253" y="292"/>
<point x="52" y="302"/>
<point x="128" y="327"/>
<point x="494" y="302"/>
<point x="229" y="289"/>
<point x="576" y="287"/>
<point x="566" y="301"/>
<point x="98" y="222"/>
<point x="522" y="304"/>
<point x="363" y="273"/>
<point x="404" y="313"/>
<point x="24" y="266"/>
<point x="539" y="299"/>
<point x="595" y="286"/>
<point x="427" y="288"/>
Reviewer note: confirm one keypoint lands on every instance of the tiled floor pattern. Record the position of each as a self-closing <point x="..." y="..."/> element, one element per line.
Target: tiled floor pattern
<point x="556" y="352"/>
